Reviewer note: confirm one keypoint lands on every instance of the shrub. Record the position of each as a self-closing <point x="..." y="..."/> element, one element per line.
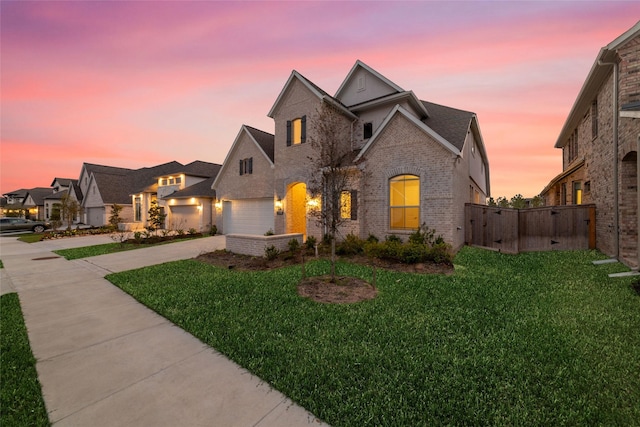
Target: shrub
<point x="294" y="245"/>
<point x="269" y="232"/>
<point x="372" y="239"/>
<point x="213" y="230"/>
<point x="414" y="253"/>
<point x="393" y="238"/>
<point x="440" y="253"/>
<point x="193" y="231"/>
<point x="422" y="236"/>
<point x="351" y="245"/>
<point x="137" y="236"/>
<point x="271" y="252"/>
<point x="180" y="232"/>
<point x="311" y="242"/>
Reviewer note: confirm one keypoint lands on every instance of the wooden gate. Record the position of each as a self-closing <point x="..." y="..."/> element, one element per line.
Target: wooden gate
<point x="536" y="229"/>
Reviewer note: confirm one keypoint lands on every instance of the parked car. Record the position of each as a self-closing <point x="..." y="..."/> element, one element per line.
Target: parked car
<point x="21" y="224"/>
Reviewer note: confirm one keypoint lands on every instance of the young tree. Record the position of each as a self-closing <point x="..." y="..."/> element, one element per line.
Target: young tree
<point x="114" y="218"/>
<point x="156" y="216"/>
<point x="69" y="209"/>
<point x="330" y="141"/>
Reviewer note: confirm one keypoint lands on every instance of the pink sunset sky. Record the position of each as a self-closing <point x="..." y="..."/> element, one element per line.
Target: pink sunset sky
<point x="134" y="84"/>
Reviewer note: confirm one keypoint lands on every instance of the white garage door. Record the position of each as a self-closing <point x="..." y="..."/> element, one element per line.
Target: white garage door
<point x="185" y="217"/>
<point x="249" y="216"/>
<point x="95" y="217"/>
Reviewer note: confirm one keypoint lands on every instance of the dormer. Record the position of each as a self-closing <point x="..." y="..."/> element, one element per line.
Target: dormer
<point x="169" y="184"/>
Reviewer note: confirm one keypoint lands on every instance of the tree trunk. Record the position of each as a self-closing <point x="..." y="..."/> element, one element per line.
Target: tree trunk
<point x="333" y="259"/>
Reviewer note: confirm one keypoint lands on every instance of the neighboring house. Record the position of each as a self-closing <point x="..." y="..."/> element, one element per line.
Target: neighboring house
<point x="411" y="162"/>
<point x="599" y="142"/>
<point x="134" y="189"/>
<point x="34" y="201"/>
<point x="184" y="195"/>
<point x="13" y="203"/>
<point x="62" y="187"/>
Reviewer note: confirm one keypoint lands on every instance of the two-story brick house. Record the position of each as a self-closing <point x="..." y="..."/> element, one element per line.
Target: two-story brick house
<point x="599" y="142"/>
<point x="410" y="162"/>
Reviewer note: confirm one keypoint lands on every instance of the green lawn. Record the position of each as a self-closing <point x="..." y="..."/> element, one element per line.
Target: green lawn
<point x="110" y="248"/>
<point x="534" y="339"/>
<point x="21" y="401"/>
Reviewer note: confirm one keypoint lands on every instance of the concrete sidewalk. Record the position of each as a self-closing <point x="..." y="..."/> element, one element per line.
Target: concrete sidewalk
<point x="104" y="359"/>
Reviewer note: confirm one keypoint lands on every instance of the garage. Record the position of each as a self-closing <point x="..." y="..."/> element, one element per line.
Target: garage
<point x="95" y="217"/>
<point x="184" y="218"/>
<point x="248" y="216"/>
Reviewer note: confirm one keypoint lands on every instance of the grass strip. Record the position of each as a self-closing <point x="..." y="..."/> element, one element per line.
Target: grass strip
<point x="540" y="338"/>
<point x="21" y="401"/>
<point x="31" y="237"/>
<point x="110" y="248"/>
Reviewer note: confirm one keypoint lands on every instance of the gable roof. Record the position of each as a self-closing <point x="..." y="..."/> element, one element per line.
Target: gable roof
<point x="65" y="182"/>
<point x="316" y="90"/>
<point x="92" y="167"/>
<point x="361" y="65"/>
<point x="263" y="140"/>
<point x="450" y="123"/>
<point x="21" y="193"/>
<point x="113" y="188"/>
<point x="57" y="195"/>
<point x="38" y="194"/>
<point x="600" y="70"/>
<point x="419" y="124"/>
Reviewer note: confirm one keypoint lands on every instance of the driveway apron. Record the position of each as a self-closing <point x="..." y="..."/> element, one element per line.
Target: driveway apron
<point x="103" y="359"/>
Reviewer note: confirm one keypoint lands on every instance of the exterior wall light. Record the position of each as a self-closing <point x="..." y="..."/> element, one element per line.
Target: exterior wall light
<point x="278" y="205"/>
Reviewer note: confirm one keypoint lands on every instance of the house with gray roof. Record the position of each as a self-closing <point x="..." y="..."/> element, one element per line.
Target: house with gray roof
<point x="134" y="189"/>
<point x="184" y="195"/>
<point x="410" y="162"/>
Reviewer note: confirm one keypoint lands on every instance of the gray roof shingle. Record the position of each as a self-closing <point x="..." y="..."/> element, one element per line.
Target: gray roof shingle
<point x="450" y="123"/>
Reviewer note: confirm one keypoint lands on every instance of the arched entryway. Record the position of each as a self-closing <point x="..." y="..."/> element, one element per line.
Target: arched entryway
<point x="295" y="208"/>
<point x="629" y="208"/>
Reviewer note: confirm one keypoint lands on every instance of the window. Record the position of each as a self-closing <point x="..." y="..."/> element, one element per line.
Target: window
<point x="178" y="180"/>
<point x="163" y="181"/>
<point x="573" y="146"/>
<point x="349" y="205"/>
<point x="246" y="166"/>
<point x="367" y="130"/>
<point x="404" y="202"/>
<point x="137" y="208"/>
<point x="577" y="193"/>
<point x="297" y="131"/>
<point x="587" y="187"/>
<point x="563" y="193"/>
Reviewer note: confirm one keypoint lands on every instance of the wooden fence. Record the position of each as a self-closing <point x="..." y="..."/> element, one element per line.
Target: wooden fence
<point x="536" y="229"/>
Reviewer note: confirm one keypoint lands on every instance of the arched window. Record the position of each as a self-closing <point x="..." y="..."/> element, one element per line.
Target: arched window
<point x="404" y="202"/>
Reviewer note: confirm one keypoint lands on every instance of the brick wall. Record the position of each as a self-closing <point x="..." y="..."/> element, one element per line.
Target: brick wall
<point x="255" y="245"/>
<point x="403" y="149"/>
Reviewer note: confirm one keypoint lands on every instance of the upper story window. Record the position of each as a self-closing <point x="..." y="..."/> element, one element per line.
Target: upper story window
<point x="171" y="180"/>
<point x="572" y="146"/>
<point x="367" y="130"/>
<point x="246" y="166"/>
<point x="404" y="202"/>
<point x="297" y="131"/>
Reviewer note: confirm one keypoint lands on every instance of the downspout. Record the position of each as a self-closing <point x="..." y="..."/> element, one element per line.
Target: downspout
<point x="616" y="216"/>
<point x="638" y="197"/>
